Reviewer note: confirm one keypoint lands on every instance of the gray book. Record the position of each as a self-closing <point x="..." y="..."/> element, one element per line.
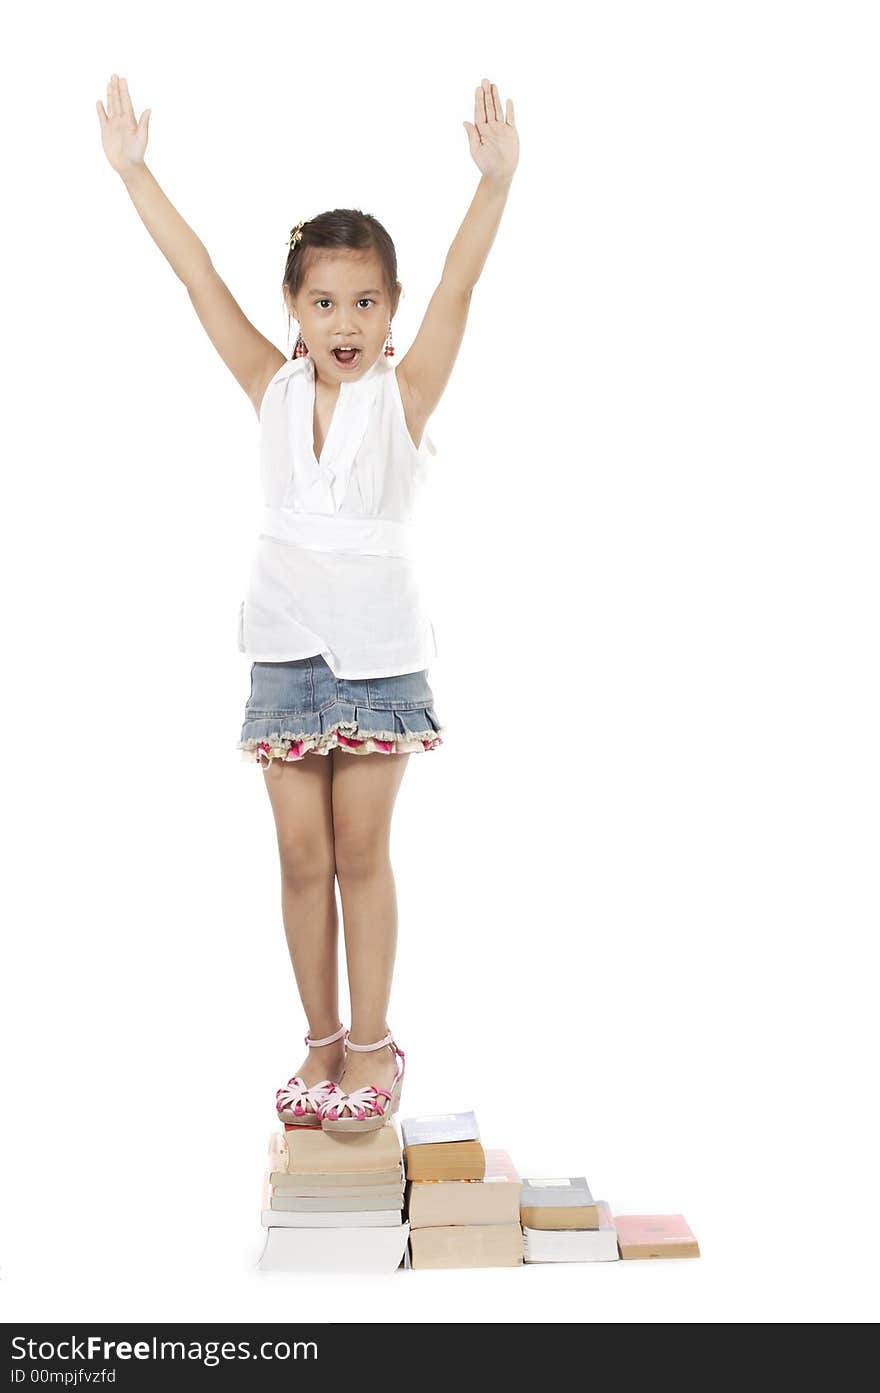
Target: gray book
<point x="318" y="1192"/>
<point x="439" y="1127"/>
<point x="557" y="1193"/>
<point x="558" y="1203"/>
<point x="298" y="1204"/>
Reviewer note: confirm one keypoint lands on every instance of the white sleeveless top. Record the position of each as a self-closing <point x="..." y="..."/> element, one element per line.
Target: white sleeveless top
<point x="333" y="572"/>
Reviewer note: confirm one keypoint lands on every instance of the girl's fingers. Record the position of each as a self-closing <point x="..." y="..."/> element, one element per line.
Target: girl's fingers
<point x="488" y="105"/>
<point x="125" y="99"/>
<point x="102" y="115"/>
<point x="113" y="96"/>
<point x="487" y="97"/>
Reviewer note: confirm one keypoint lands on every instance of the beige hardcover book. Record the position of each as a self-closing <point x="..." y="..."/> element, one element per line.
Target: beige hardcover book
<point x="655" y="1236"/>
<point x="451" y="1160"/>
<point x="467" y="1245"/>
<point x="312" y="1151"/>
<point x="277" y="1152"/>
<point x="492" y="1200"/>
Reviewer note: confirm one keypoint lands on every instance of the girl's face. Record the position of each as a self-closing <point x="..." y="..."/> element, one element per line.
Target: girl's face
<point x="343" y="301"/>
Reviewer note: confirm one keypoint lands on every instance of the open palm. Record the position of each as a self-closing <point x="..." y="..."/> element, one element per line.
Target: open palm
<point x="124" y="139"/>
<point x="493" y="139"/>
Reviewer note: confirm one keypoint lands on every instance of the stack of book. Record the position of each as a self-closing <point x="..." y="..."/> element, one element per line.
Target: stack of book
<point x="462" y="1203"/>
<point x="333" y="1201"/>
<point x="561" y="1222"/>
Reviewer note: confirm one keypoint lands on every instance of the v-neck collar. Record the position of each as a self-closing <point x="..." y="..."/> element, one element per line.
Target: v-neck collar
<point x="338" y="408"/>
<point x="348" y="423"/>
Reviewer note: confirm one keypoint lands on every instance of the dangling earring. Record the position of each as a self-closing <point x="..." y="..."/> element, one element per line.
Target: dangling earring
<point x="300" y="351"/>
<point x="389" y="346"/>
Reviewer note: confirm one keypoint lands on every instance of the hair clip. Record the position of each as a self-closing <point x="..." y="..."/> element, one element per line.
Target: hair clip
<point x="296" y="234"/>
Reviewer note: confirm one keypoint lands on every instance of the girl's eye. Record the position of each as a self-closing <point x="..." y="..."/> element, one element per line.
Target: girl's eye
<point x="364" y="300"/>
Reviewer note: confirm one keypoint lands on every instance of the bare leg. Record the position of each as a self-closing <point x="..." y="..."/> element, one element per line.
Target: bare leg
<point x="300" y="794"/>
<point x="364" y="791"/>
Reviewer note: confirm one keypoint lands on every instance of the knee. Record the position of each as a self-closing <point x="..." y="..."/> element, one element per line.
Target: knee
<point x="359" y="854"/>
<point x="305" y="861"/>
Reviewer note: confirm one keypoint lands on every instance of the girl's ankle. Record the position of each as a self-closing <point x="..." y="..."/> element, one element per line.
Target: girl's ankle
<point x="369" y="1036"/>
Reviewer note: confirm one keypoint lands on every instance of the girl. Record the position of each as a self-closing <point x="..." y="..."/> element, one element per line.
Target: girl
<point x="332" y="618"/>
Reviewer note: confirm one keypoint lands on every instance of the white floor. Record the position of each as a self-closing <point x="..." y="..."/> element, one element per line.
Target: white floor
<point x="212" y="1279"/>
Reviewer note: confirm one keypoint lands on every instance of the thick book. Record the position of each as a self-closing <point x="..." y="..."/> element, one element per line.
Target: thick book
<point x="467" y="1245"/>
<point x="439" y="1126"/>
<point x="493" y="1200"/>
<point x="277" y="1152"/>
<point x="574" y="1245"/>
<point x="366" y="1249"/>
<point x="655" y="1236"/>
<point x="442" y="1146"/>
<point x="558" y="1203"/>
<point x="455" y="1160"/>
<point x="312" y="1151"/>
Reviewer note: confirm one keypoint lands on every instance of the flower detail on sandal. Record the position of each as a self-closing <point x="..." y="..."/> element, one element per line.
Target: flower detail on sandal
<point x="295" y="1094"/>
<point x="367" y="1096"/>
<point x="291" y="1101"/>
<point x="369" y="1104"/>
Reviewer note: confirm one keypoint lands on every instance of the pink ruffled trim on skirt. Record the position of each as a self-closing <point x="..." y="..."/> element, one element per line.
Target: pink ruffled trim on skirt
<point x="264" y="751"/>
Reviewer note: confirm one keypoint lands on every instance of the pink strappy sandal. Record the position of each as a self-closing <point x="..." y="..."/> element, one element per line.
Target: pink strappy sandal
<point x="292" y="1100"/>
<point x="371" y="1106"/>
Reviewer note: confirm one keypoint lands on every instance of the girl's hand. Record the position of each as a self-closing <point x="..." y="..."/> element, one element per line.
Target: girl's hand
<point x="493" y="139"/>
<point x="124" y="138"/>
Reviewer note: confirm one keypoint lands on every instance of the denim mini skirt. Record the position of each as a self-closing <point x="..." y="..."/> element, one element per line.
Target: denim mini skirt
<point x="300" y="707"/>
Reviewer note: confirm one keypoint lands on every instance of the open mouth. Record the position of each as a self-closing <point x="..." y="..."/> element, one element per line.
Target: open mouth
<point x="347" y="357"/>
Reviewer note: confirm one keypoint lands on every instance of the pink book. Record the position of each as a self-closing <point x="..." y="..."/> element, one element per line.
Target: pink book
<point x="655" y="1236"/>
<point x="499" y="1166"/>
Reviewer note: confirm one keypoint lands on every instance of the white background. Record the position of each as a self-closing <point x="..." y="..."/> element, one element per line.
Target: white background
<point x="637" y="885"/>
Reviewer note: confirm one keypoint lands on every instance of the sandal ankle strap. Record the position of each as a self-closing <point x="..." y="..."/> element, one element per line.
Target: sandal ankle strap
<point x="328" y="1039"/>
<point x="389" y="1040"/>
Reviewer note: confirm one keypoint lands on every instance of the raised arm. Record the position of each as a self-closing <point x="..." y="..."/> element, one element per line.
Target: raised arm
<point x="424" y="370"/>
<point x="250" y="357"/>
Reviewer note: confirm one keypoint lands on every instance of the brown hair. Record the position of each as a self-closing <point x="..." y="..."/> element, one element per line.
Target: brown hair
<point x="347" y="229"/>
